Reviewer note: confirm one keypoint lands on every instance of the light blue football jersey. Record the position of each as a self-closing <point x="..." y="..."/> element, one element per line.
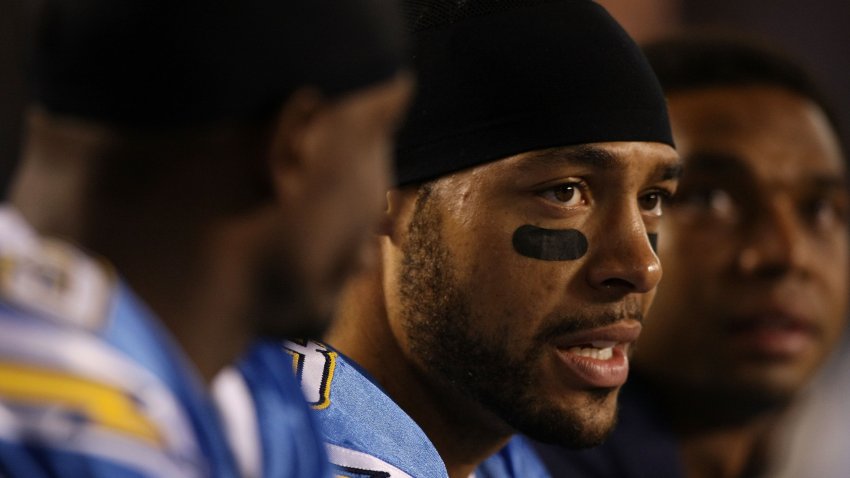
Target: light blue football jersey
<point x="91" y="384"/>
<point x="366" y="433"/>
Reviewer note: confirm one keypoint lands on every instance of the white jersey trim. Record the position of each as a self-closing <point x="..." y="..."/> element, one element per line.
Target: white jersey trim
<point x="347" y="458"/>
<point x="81" y="354"/>
<point x="236" y="407"/>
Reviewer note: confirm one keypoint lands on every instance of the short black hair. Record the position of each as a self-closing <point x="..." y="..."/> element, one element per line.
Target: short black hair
<point x="703" y="59"/>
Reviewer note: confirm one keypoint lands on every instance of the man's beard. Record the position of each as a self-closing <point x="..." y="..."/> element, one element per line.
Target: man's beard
<point x="438" y="322"/>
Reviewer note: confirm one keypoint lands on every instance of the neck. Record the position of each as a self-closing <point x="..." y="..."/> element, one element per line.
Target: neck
<point x="52" y="184"/>
<point x="201" y="302"/>
<point x="719" y="436"/>
<point x="729" y="452"/>
<point x="461" y="432"/>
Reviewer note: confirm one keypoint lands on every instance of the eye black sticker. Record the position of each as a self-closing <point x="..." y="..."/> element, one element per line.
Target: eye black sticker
<point x="549" y="244"/>
<point x="653" y="241"/>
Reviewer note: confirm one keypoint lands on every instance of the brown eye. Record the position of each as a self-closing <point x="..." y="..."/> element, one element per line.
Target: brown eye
<point x="649" y="202"/>
<point x="712" y="202"/>
<point x="824" y="213"/>
<point x="652" y="202"/>
<point x="567" y="194"/>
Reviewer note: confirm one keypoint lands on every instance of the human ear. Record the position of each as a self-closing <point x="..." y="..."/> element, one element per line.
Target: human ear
<point x="292" y="152"/>
<point x="400" y="205"/>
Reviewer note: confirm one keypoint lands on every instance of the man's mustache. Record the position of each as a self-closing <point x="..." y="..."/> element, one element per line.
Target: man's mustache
<point x="566" y="324"/>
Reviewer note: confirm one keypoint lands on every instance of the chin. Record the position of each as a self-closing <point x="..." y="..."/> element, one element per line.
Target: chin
<point x="573" y="433"/>
<point x="767" y="393"/>
<point x="774" y="379"/>
<point x="584" y="422"/>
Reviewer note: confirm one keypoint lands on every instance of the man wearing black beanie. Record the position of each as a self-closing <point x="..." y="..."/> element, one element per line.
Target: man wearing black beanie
<point x="196" y="174"/>
<point x="517" y="252"/>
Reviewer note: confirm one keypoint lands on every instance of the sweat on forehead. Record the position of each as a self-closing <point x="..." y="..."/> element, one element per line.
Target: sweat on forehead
<point x="500" y="78"/>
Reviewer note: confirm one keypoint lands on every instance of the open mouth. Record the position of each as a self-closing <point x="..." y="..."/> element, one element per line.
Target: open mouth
<point x="598" y="358"/>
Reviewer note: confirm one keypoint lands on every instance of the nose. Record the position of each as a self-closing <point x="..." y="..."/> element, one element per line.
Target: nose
<point x="622" y="257"/>
<point x="774" y="243"/>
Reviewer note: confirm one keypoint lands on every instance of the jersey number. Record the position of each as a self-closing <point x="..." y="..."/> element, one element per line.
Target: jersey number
<point x="313" y="365"/>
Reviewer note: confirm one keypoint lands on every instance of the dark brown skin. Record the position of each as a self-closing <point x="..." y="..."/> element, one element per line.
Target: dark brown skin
<point x="193" y="238"/>
<point x="490" y="301"/>
<point x="759" y="233"/>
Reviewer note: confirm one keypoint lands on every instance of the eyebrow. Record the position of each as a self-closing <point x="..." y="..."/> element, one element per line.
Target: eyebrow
<point x="716" y="162"/>
<point x="837" y="182"/>
<point x="593" y="157"/>
<point x="669" y="172"/>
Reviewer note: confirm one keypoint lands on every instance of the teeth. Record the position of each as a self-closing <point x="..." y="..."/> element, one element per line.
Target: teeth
<point x="598" y="353"/>
<point x="603" y="345"/>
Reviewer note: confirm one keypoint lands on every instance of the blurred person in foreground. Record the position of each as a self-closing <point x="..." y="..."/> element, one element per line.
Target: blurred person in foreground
<point x="755" y="259"/>
<point x="516" y="253"/>
<point x="195" y="174"/>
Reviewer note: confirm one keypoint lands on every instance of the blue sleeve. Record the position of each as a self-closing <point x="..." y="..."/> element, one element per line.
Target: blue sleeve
<point x="291" y="443"/>
<point x="516" y="460"/>
<point x="35" y="461"/>
<point x="71" y="405"/>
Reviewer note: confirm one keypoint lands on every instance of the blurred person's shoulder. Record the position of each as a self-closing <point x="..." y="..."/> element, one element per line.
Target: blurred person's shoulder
<point x="71" y="402"/>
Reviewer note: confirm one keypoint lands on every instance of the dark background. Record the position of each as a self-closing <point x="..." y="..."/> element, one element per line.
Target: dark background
<point x="13" y="32"/>
<point x="816" y="31"/>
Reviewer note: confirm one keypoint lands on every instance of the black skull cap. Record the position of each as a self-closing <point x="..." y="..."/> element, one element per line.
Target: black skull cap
<point x="502" y="77"/>
<point x="163" y="63"/>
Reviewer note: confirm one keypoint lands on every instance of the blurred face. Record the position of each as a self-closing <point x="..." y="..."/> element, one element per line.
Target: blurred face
<point x="755" y="247"/>
<point x="333" y="206"/>
<point x="520" y="285"/>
